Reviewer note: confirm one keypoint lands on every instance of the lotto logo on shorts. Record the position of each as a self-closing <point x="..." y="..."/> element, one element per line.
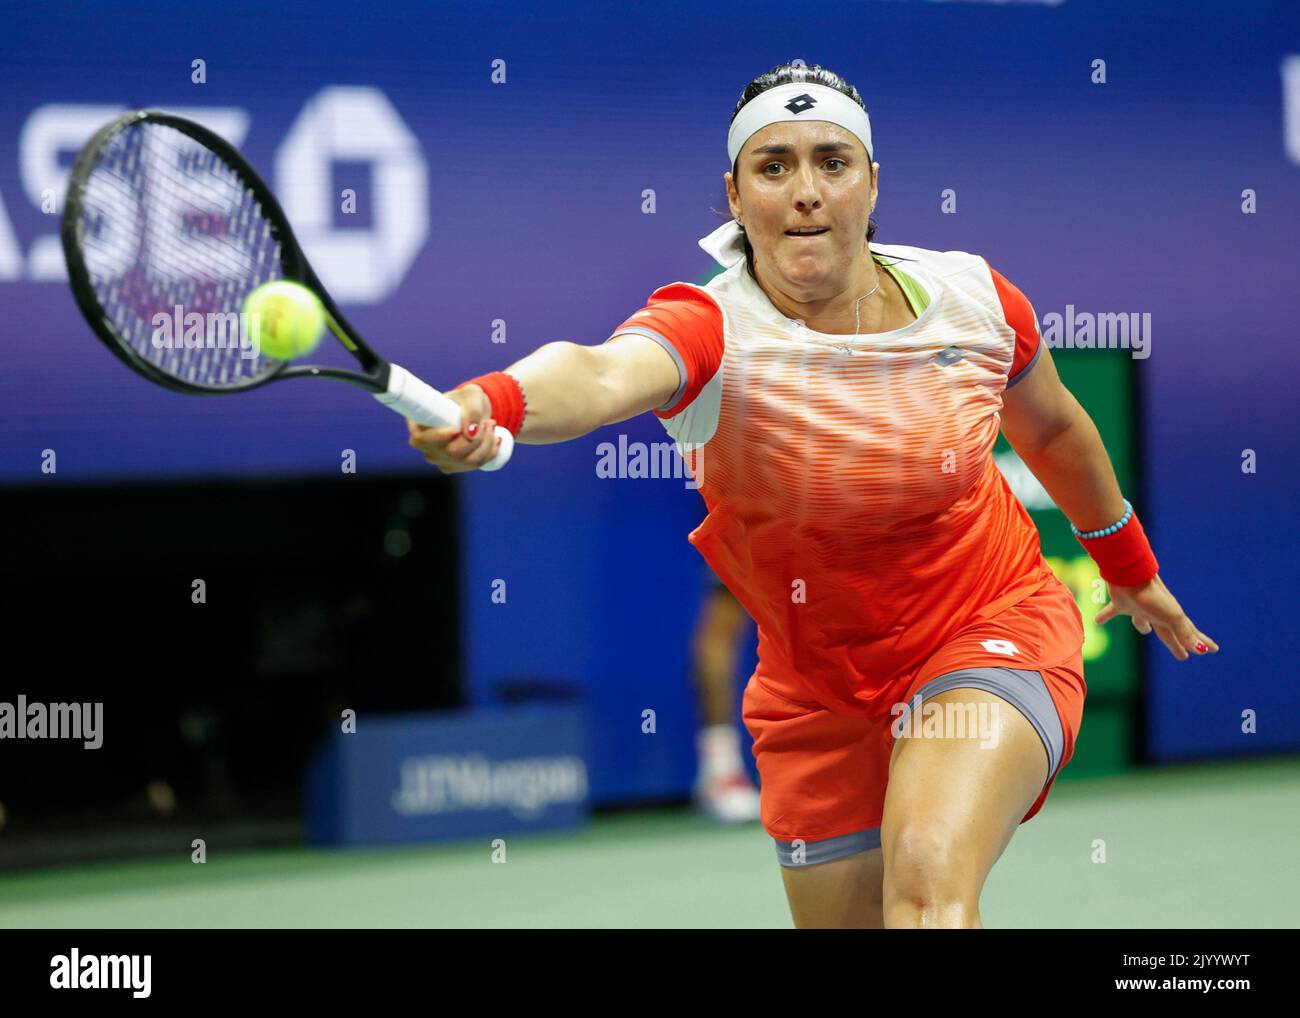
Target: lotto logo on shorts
<point x="1000" y="647"/>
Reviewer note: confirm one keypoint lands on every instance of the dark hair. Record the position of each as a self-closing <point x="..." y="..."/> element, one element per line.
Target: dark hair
<point x="785" y="74"/>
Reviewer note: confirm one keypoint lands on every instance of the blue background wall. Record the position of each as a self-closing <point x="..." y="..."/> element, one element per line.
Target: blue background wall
<point x="523" y="203"/>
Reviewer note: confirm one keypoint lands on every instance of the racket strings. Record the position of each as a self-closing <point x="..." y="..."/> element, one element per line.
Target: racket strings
<point x="174" y="240"/>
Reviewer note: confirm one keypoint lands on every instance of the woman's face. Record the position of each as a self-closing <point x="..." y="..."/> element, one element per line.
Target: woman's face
<point x="792" y="175"/>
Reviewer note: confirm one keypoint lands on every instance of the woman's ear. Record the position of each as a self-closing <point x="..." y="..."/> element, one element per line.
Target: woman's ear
<point x="733" y="196"/>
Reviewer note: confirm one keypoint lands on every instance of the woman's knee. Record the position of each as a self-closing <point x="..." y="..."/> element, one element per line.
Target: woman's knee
<point x="926" y="869"/>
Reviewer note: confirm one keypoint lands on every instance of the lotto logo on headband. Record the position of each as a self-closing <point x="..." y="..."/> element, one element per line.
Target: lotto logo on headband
<point x="798" y="101"/>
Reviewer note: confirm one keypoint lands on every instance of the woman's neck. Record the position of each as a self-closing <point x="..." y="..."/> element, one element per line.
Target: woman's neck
<point x="878" y="306"/>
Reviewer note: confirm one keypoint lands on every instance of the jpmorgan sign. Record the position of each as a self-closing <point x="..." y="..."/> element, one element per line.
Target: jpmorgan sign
<point x="358" y="265"/>
<point x="452" y="774"/>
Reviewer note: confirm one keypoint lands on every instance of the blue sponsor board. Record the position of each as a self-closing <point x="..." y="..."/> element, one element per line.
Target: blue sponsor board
<point x="433" y="777"/>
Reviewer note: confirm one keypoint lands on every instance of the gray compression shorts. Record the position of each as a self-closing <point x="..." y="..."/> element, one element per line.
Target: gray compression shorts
<point x="1023" y="689"/>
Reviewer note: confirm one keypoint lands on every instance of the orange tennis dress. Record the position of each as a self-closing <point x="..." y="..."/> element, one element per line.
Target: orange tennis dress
<point x="855" y="510"/>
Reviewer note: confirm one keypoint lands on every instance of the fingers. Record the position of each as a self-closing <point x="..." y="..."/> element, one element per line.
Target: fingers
<point x="455" y="450"/>
<point x="1170" y="639"/>
<point x="422" y="435"/>
<point x="432" y="442"/>
<point x="1174" y="628"/>
<point x="483" y="446"/>
<point x="1182" y="638"/>
<point x="1194" y="640"/>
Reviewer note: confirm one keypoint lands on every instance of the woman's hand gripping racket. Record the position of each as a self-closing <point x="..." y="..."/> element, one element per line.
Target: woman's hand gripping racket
<point x="164" y="216"/>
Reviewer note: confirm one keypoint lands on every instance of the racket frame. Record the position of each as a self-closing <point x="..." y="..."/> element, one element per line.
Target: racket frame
<point x="374" y="375"/>
<point x="391" y="385"/>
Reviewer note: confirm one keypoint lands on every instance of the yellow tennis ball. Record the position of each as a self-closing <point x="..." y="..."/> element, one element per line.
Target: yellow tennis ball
<point x="286" y="320"/>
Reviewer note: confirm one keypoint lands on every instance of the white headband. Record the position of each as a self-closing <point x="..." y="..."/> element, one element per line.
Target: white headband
<point x="799" y="100"/>
<point x="795" y="101"/>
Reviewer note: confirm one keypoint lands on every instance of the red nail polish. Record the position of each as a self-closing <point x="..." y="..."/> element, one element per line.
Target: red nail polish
<point x="1202" y="647"/>
<point x="472" y="430"/>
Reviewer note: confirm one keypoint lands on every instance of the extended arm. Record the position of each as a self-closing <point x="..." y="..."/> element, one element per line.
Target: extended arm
<point x="569" y="390"/>
<point x="572" y="390"/>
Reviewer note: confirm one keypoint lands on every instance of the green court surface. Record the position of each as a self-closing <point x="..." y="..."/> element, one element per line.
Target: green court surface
<point x="1196" y="846"/>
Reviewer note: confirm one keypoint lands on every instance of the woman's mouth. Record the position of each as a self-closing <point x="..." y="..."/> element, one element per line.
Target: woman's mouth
<point x="815" y="231"/>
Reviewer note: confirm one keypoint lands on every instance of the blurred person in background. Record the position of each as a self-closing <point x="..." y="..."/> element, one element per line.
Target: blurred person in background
<point x="723" y="790"/>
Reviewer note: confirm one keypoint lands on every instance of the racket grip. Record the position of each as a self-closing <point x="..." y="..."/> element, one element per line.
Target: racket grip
<point x="422" y="403"/>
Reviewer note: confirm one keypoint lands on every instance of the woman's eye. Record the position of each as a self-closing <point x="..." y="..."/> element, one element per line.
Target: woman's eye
<point x="828" y="162"/>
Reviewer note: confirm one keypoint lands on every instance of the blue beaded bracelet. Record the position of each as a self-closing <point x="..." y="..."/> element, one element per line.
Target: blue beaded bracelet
<point x="1105" y="531"/>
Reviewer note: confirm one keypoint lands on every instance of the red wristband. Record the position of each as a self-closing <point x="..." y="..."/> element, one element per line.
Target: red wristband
<point x="1125" y="557"/>
<point x="506" y="397"/>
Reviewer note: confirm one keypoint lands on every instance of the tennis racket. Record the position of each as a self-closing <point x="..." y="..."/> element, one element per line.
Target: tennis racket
<point x="162" y="213"/>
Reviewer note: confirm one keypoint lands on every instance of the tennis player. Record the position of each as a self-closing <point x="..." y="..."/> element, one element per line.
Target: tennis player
<point x="841" y="399"/>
